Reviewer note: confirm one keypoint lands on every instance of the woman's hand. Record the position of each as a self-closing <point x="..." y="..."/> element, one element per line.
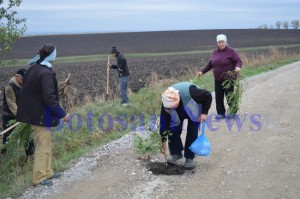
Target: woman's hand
<point x="67" y="118"/>
<point x="203" y="117"/>
<point x="237" y="69"/>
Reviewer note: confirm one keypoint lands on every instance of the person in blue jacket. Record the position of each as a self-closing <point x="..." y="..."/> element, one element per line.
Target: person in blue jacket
<point x="182" y="100"/>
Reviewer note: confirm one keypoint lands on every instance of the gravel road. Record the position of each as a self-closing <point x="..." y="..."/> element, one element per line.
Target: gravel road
<point x="257" y="156"/>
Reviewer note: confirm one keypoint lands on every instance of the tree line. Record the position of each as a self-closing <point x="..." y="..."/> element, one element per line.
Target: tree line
<point x="282" y="25"/>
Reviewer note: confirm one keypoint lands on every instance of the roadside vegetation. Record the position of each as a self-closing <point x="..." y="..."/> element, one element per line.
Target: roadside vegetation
<point x="97" y="123"/>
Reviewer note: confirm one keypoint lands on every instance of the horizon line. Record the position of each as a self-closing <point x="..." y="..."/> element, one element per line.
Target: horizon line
<point x="128" y="31"/>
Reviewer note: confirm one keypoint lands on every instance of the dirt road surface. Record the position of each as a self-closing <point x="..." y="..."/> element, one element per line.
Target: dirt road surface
<point x="259" y="157"/>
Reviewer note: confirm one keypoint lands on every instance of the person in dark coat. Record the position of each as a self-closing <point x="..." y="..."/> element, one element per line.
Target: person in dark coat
<point x="223" y="60"/>
<point x="40" y="108"/>
<point x="181" y="101"/>
<point x="10" y="99"/>
<point x="123" y="73"/>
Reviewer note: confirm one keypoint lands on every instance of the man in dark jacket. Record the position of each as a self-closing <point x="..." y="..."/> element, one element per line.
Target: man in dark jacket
<point x="40" y="108"/>
<point x="182" y="100"/>
<point x="10" y="99"/>
<point x="123" y="73"/>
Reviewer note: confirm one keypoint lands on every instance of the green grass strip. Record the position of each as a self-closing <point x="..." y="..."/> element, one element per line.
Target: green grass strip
<point x="103" y="57"/>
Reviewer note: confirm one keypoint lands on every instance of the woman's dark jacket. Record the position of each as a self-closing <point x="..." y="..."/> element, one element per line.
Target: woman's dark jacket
<point x="39" y="101"/>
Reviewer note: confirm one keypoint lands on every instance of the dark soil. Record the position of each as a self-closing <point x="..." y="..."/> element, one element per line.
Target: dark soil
<point x="89" y="78"/>
<point x="142" y="42"/>
<point x="159" y="168"/>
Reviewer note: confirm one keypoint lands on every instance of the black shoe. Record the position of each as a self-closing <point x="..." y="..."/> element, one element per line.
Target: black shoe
<point x="173" y="159"/>
<point x="55" y="175"/>
<point x="189" y="164"/>
<point x="45" y="182"/>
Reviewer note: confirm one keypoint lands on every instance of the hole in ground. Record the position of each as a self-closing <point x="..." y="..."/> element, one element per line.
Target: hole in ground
<point x="159" y="168"/>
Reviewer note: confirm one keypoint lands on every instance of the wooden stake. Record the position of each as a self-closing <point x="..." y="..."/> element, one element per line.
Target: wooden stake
<point x="107" y="78"/>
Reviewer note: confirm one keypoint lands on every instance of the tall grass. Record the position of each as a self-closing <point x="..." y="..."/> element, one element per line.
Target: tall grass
<point x="98" y="122"/>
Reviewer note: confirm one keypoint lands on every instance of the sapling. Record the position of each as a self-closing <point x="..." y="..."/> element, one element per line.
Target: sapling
<point x="234" y="98"/>
<point x="19" y="138"/>
<point x="149" y="145"/>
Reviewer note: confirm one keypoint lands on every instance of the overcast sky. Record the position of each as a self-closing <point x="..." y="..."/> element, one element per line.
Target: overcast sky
<point x="86" y="16"/>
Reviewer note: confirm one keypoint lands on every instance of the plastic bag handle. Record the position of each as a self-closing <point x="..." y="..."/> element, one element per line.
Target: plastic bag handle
<point x="203" y="124"/>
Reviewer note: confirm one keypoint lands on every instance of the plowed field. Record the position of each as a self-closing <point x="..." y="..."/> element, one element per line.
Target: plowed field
<point x="89" y="78"/>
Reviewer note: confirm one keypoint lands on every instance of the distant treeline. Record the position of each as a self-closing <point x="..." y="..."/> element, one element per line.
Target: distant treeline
<point x="282" y="25"/>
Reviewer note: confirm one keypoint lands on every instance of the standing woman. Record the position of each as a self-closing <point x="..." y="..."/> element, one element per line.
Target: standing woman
<point x="40" y="108"/>
<point x="224" y="60"/>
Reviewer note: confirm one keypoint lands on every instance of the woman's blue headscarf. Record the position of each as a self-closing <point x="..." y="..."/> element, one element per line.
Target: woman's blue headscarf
<point x="46" y="61"/>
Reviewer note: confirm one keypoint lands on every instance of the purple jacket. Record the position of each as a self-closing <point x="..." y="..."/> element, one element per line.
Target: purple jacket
<point x="223" y="61"/>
